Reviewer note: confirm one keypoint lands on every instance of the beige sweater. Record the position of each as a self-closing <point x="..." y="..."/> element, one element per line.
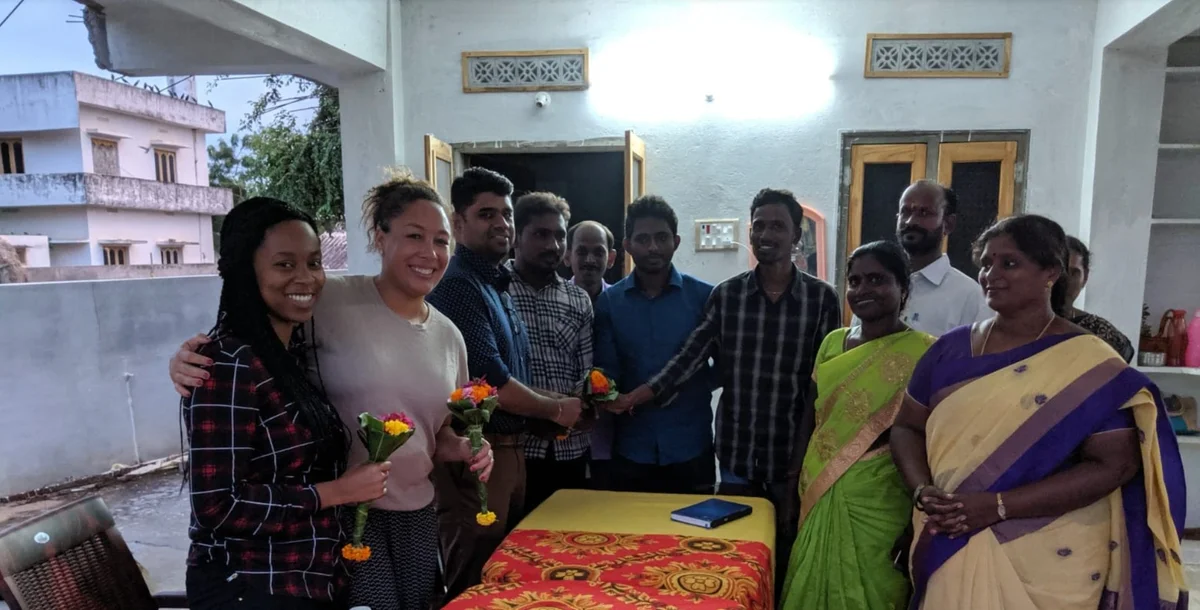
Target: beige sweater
<point x="373" y="360"/>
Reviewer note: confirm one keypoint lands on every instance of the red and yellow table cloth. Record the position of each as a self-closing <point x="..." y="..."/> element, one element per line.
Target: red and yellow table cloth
<point x="588" y="550"/>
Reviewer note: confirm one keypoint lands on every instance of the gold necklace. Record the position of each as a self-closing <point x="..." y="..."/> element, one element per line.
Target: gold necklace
<point x="988" y="334"/>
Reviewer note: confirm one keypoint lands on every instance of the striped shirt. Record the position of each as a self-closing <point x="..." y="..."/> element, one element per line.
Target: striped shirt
<point x="764" y="353"/>
<point x="559" y="320"/>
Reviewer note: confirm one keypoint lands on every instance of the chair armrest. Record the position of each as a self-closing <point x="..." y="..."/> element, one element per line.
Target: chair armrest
<point x="175" y="600"/>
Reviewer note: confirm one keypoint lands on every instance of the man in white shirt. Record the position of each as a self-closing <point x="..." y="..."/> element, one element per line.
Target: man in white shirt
<point x="942" y="298"/>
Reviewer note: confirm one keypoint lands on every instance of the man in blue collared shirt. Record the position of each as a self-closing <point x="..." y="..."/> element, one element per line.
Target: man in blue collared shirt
<point x="641" y="322"/>
<point x="474" y="295"/>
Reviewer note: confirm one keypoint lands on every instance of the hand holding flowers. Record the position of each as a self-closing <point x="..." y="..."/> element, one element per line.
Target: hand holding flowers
<point x="382" y="437"/>
<point x="473" y="405"/>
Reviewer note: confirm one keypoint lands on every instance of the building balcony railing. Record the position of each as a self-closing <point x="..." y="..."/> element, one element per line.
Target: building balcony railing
<point x="40" y="190"/>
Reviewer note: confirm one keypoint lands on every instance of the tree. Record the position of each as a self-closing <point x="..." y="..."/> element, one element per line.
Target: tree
<point x="283" y="158"/>
<point x="225" y="167"/>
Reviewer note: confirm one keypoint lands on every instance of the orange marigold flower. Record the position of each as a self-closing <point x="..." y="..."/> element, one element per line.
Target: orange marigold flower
<point x="599" y="382"/>
<point x="480" y="393"/>
<point x="485" y="519"/>
<point x="456" y="395"/>
<point x="356" y="552"/>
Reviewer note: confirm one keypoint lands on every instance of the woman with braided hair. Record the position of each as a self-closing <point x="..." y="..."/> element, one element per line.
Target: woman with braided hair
<point x="267" y="457"/>
<point x="380" y="348"/>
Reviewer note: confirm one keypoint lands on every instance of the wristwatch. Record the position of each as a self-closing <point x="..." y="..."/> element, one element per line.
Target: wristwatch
<point x="1000" y="510"/>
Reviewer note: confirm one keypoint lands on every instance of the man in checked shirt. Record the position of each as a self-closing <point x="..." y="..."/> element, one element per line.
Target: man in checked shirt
<point x="764" y="328"/>
<point x="558" y="315"/>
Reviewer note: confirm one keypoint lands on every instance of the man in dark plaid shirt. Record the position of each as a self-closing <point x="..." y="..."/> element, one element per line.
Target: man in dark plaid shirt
<point x="764" y="328"/>
<point x="253" y="472"/>
<point x="558" y="315"/>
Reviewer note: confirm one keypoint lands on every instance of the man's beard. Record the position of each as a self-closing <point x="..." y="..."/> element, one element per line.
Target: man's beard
<point x="930" y="241"/>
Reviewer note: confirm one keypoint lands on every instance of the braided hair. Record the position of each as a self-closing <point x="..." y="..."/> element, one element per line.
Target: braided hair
<point x="243" y="314"/>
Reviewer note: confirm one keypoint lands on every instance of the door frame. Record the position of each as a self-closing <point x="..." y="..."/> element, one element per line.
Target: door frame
<point x="618" y="144"/>
<point x="931" y="140"/>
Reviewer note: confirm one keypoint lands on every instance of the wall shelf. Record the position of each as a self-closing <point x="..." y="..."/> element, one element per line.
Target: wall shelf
<point x="1170" y="370"/>
<point x="1175" y="222"/>
<point x="1183" y="73"/>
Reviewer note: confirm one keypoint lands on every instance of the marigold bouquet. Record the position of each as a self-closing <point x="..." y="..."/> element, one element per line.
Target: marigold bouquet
<point x="598" y="388"/>
<point x="473" y="404"/>
<point x="381" y="437"/>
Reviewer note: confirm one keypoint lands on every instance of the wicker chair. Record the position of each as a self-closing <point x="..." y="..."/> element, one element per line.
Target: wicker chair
<point x="73" y="558"/>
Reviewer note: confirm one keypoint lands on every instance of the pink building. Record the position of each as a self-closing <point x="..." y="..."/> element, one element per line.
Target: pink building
<point x="98" y="172"/>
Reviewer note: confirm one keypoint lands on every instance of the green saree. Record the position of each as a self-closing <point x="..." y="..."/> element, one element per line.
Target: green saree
<point x="853" y="504"/>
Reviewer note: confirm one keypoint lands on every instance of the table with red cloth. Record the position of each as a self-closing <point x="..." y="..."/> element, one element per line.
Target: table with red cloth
<point x="594" y="550"/>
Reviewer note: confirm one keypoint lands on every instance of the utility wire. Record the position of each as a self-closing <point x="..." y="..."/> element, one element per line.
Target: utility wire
<point x="10" y="13"/>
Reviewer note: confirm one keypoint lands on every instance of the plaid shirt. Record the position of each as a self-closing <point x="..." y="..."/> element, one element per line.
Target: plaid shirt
<point x="559" y="320"/>
<point x="764" y="353"/>
<point x="253" y="471"/>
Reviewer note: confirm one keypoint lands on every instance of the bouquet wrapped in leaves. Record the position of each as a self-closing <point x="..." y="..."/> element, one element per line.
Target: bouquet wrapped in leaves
<point x="381" y="437"/>
<point x="596" y="389"/>
<point x="472" y="405"/>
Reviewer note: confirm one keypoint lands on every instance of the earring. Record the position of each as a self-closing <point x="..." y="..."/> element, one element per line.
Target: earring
<point x="1050" y="284"/>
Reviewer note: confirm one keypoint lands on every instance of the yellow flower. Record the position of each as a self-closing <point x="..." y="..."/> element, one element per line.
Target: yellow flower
<point x="479" y="393"/>
<point x="395" y="427"/>
<point x="485" y="519"/>
<point x="356" y="552"/>
<point x="456" y="395"/>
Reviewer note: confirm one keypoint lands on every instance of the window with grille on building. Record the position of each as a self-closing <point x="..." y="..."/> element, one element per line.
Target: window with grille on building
<point x="171" y="256"/>
<point x="12" y="157"/>
<point x="104" y="157"/>
<point x="164" y="165"/>
<point x="116" y="255"/>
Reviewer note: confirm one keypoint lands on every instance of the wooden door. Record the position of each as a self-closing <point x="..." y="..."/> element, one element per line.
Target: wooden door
<point x="879" y="173"/>
<point x="635" y="179"/>
<point x="439" y="166"/>
<point x="983" y="175"/>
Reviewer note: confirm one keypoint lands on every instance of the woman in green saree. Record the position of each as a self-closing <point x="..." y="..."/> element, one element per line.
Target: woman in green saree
<point x="853" y="503"/>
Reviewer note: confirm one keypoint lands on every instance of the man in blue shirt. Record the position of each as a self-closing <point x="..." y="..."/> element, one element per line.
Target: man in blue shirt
<point x="474" y="295"/>
<point x="641" y="322"/>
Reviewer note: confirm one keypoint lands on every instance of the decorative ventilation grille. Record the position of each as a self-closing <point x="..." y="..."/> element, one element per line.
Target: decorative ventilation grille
<point x="559" y="70"/>
<point x="938" y="55"/>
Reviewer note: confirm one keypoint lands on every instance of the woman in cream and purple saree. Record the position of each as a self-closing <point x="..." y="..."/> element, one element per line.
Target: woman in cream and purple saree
<point x="853" y="503"/>
<point x="1044" y="470"/>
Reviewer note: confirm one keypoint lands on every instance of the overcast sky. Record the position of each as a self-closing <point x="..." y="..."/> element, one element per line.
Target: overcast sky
<point x="37" y="38"/>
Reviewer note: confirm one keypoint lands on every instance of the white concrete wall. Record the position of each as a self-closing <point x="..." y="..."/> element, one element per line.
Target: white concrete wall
<point x="58" y="223"/>
<point x="353" y="27"/>
<point x="72" y="255"/>
<point x="142" y="134"/>
<point x="151" y="227"/>
<point x="37" y="248"/>
<point x="1124" y="117"/>
<point x="51" y="152"/>
<point x="37" y="102"/>
<point x="92" y="370"/>
<point x="787" y="77"/>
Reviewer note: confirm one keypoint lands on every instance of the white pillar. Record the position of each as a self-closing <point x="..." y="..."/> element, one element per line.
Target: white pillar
<point x="373" y="138"/>
<point x="1121" y="170"/>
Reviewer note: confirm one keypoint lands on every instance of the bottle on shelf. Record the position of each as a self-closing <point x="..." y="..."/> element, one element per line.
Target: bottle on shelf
<point x="1178" y="342"/>
<point x="1192" y="355"/>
